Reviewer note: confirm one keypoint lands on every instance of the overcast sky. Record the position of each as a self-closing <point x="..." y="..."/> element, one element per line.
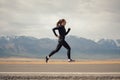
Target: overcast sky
<point x="93" y="19"/>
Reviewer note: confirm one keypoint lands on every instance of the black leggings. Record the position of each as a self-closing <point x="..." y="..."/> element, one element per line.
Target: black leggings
<point x="60" y="44"/>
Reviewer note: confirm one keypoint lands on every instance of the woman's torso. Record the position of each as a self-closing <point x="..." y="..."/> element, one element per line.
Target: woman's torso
<point x="62" y="32"/>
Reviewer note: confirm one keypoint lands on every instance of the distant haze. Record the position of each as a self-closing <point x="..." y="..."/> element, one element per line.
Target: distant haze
<point x="93" y="19"/>
<point x="81" y="48"/>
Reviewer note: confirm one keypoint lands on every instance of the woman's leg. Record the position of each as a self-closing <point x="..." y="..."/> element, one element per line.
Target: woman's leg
<point x="66" y="45"/>
<point x="56" y="50"/>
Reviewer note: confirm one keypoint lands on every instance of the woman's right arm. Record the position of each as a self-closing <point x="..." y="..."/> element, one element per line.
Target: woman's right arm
<point x="54" y="31"/>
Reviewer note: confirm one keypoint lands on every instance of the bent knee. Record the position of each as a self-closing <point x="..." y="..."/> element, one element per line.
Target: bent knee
<point x="69" y="48"/>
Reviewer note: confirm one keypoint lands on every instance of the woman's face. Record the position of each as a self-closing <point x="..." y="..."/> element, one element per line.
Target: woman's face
<point x="63" y="23"/>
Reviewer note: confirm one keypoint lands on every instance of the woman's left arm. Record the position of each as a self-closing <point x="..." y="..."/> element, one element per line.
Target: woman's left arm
<point x="68" y="31"/>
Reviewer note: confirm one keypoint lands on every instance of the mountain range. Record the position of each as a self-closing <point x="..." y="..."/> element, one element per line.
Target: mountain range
<point x="82" y="48"/>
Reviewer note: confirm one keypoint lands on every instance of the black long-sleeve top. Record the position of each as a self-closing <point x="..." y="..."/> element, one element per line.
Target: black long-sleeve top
<point x="62" y="31"/>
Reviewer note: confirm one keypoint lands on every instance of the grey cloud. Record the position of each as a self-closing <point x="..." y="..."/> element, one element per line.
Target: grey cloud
<point x="27" y="17"/>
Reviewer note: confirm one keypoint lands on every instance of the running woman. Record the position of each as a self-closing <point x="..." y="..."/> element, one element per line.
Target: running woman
<point x="60" y="26"/>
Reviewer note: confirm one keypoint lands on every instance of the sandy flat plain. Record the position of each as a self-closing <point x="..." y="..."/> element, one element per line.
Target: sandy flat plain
<point x="54" y="61"/>
<point x="38" y="69"/>
<point x="39" y="65"/>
